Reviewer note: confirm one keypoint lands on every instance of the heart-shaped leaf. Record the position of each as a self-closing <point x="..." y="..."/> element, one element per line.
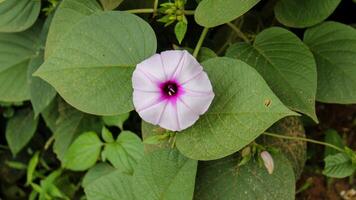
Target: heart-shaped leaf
<point x="165" y="174"/>
<point x="68" y="14"/>
<point x="16" y="51"/>
<point x="19" y="15"/>
<point x="210" y="13"/>
<point x="243" y="108"/>
<point x="286" y="64"/>
<point x="92" y="66"/>
<point x="222" y="179"/>
<point x="304" y="13"/>
<point x="334" y="47"/>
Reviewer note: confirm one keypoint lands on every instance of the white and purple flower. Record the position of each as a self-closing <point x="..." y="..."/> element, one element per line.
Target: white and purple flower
<point x="171" y="90"/>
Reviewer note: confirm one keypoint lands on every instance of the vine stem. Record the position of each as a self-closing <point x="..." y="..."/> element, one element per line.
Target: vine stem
<point x="304" y="139"/>
<point x="141" y="10"/>
<point x="238" y="32"/>
<point x="200" y="42"/>
<point x="155" y="7"/>
<point x="189" y="12"/>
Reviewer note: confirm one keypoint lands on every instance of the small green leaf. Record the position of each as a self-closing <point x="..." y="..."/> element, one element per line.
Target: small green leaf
<point x="338" y="166"/>
<point x="116" y="120"/>
<point x="98" y="56"/>
<point x="83" y="153"/>
<point x="334" y="47"/>
<point x="332" y="137"/>
<point x="20" y="129"/>
<point x="286" y="64"/>
<point x="110" y="4"/>
<point x="222" y="179"/>
<point x="238" y="114"/>
<point x="32" y="168"/>
<point x="106" y="135"/>
<point x="304" y="13"/>
<point x="19" y="15"/>
<point x="96" y="172"/>
<point x="125" y="152"/>
<point x="180" y="30"/>
<point x="210" y="13"/>
<point x="165" y="174"/>
<point x="112" y="186"/>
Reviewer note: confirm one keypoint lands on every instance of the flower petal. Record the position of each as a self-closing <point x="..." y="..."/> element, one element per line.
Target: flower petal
<point x="186" y="116"/>
<point x="153" y="66"/>
<point x="143" y="99"/>
<point x="153" y="113"/>
<point x="169" y="119"/>
<point x="200" y="84"/>
<point x="172" y="60"/>
<point x="189" y="69"/>
<point x="144" y="82"/>
<point x="197" y="102"/>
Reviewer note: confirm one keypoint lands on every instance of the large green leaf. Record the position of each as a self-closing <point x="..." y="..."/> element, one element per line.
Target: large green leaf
<point x="222" y="179"/>
<point x="165" y="174"/>
<point x="83" y="152"/>
<point x="294" y="150"/>
<point x="19" y="15"/>
<point x="113" y="186"/>
<point x="125" y="152"/>
<point x="210" y="13"/>
<point x="96" y="172"/>
<point x="92" y="66"/>
<point x="68" y="15"/>
<point x="334" y="47"/>
<point x="338" y="166"/>
<point x="16" y="51"/>
<point x="67" y="124"/>
<point x="20" y="129"/>
<point x="304" y="13"/>
<point x="286" y="64"/>
<point x="243" y="108"/>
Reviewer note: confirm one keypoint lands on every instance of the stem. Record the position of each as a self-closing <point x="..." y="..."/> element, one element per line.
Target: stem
<point x="155" y="6"/>
<point x="200" y="42"/>
<point x="238" y="32"/>
<point x="142" y="10"/>
<point x="304" y="139"/>
<point x="189" y="12"/>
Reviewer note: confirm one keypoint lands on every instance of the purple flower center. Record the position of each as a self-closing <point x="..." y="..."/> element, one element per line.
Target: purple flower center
<point x="170" y="90"/>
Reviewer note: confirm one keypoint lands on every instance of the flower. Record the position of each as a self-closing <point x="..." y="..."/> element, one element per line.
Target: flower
<point x="267" y="161"/>
<point x="171" y="90"/>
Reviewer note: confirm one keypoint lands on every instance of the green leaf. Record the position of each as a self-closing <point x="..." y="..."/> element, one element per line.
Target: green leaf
<point x="210" y="13"/>
<point x="19" y="15"/>
<point x="304" y="13"/>
<point x="96" y="172"/>
<point x="222" y="179"/>
<point x="332" y="137"/>
<point x="68" y="14"/>
<point x="294" y="150"/>
<point x="338" y="166"/>
<point x="125" y="152"/>
<point x="98" y="56"/>
<point x="334" y="47"/>
<point x="113" y="186"/>
<point x="180" y="30"/>
<point x="20" y="129"/>
<point x="110" y="4"/>
<point x="205" y="54"/>
<point x="150" y="131"/>
<point x="32" y="168"/>
<point x="41" y="93"/>
<point x="83" y="153"/>
<point x="106" y="135"/>
<point x="116" y="120"/>
<point x="16" y="50"/>
<point x="286" y="64"/>
<point x="238" y="114"/>
<point x="67" y="124"/>
<point x="165" y="174"/>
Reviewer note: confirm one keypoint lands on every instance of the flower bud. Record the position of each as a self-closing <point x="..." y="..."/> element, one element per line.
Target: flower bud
<point x="267" y="161"/>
